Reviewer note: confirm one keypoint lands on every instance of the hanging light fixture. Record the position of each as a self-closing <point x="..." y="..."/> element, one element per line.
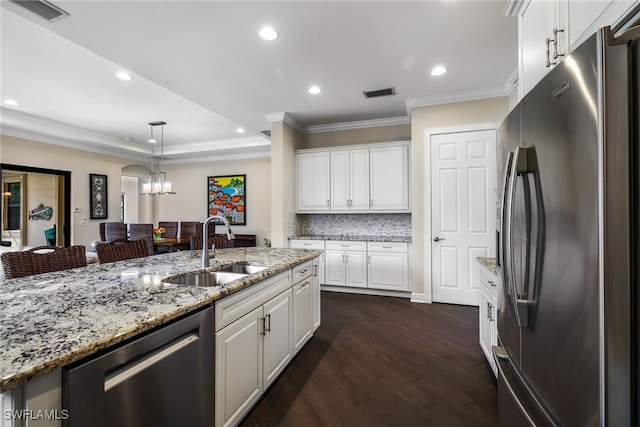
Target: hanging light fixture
<point x="157" y="182"/>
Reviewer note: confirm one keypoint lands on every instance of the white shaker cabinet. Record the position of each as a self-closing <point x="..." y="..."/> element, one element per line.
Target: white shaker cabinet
<point x="313" y="182"/>
<point x="345" y="264"/>
<point x="302" y="305"/>
<point x="350" y="180"/>
<point x="488" y="329"/>
<point x="389" y="178"/>
<point x="388" y="266"/>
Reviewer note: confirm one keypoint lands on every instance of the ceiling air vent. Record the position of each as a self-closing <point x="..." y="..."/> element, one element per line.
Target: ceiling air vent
<point x="380" y="92"/>
<point x="43" y="9"/>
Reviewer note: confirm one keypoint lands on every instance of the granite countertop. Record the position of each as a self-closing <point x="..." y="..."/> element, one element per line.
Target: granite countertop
<point x="51" y="320"/>
<point x="353" y="238"/>
<point x="489" y="263"/>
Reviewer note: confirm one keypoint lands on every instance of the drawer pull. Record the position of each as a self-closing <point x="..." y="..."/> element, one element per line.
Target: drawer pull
<point x="492" y="283"/>
<point x="387" y="247"/>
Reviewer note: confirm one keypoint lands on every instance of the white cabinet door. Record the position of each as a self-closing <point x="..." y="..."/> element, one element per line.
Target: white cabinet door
<point x="335" y="271"/>
<point x="313" y="181"/>
<point x="388" y="270"/>
<point x="356" y="269"/>
<point x="238" y="368"/>
<point x="389" y="178"/>
<point x="340" y="183"/>
<point x="315" y="295"/>
<point x="302" y="313"/>
<point x="486" y="323"/>
<point x="359" y="179"/>
<point x="277" y="336"/>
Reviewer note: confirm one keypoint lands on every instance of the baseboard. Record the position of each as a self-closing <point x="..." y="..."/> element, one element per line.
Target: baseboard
<point x="419" y="298"/>
<point x="366" y="291"/>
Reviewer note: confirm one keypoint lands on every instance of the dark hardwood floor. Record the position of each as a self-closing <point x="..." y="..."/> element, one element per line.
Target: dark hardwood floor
<point x="382" y="361"/>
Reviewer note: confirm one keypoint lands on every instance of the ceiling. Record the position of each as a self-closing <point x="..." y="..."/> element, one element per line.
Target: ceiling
<point x="201" y="67"/>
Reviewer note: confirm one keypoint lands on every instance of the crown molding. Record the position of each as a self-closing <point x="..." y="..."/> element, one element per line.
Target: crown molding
<point x="516" y="7"/>
<point x="390" y="121"/>
<point x="472" y="95"/>
<point x="285" y="117"/>
<point x="225" y="144"/>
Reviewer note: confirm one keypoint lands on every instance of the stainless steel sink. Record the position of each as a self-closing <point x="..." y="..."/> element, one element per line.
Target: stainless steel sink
<point x="207" y="278"/>
<point x="244" y="269"/>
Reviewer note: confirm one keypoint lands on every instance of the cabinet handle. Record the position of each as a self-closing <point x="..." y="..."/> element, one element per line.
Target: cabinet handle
<point x="328" y="203"/>
<point x="264" y="329"/>
<point x="492" y="283"/>
<point x="555" y="43"/>
<point x="548" y="63"/>
<point x="305" y="284"/>
<point x="490" y="311"/>
<point x="315" y="270"/>
<point x="386" y="247"/>
<point x="370" y="202"/>
<point x="347" y="258"/>
<point x="268" y="328"/>
<point x="368" y="259"/>
<point x="306" y="244"/>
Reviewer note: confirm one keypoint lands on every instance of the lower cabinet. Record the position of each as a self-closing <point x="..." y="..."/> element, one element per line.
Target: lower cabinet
<point x="388" y="266"/>
<point x="488" y="329"/>
<point x="258" y="330"/>
<point x="346" y="264"/>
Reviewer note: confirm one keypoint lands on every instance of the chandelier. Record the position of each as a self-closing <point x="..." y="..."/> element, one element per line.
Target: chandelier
<point x="157" y="182"/>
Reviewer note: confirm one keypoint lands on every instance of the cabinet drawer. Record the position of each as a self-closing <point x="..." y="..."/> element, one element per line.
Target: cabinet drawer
<point x="302" y="271"/>
<point x="388" y="247"/>
<point x="346" y="246"/>
<point x="237" y="305"/>
<point x="306" y="244"/>
<point x="489" y="280"/>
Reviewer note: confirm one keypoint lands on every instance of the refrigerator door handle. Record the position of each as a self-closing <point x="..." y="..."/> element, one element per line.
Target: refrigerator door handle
<point x="502" y="261"/>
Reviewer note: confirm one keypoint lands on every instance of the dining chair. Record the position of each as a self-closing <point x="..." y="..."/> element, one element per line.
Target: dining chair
<point x="42" y="259"/>
<point x="219" y="240"/>
<point x="121" y="249"/>
<point x="142" y="232"/>
<point x="189" y="228"/>
<point x="115" y="230"/>
<point x="170" y="229"/>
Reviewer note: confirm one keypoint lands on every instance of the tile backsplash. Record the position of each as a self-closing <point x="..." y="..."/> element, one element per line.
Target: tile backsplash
<point x="353" y="224"/>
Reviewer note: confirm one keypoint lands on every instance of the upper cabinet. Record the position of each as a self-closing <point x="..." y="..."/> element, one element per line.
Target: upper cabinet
<point x="353" y="179"/>
<point x="548" y="30"/>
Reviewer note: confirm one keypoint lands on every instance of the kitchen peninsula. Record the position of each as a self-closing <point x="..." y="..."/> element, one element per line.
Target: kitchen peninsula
<point x="53" y="320"/>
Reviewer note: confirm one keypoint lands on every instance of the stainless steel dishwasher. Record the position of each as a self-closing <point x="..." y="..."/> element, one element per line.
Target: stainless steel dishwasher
<point x="164" y="378"/>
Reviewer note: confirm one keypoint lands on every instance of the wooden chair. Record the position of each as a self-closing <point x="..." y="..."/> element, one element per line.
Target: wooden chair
<point x="114" y="231"/>
<point x="42" y="259"/>
<point x="190" y="228"/>
<point x="170" y="229"/>
<point x="219" y="240"/>
<point x="142" y="232"/>
<point x="121" y="249"/>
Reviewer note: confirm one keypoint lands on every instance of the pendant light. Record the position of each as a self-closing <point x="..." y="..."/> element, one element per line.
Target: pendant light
<point x="157" y="182"/>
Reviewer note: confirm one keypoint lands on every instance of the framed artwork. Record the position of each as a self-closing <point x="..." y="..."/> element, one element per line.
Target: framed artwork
<point x="98" y="196"/>
<point x="227" y="196"/>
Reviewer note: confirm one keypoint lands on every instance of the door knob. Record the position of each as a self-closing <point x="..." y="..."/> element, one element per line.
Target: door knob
<point x="437" y="239"/>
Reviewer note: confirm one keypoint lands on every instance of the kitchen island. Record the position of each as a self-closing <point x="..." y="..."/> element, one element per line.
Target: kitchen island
<point x="54" y="319"/>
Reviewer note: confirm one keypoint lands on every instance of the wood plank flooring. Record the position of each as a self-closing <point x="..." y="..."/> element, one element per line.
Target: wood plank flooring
<point x="382" y="361"/>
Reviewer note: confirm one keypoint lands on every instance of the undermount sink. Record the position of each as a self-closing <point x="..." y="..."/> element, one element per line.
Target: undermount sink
<point x="244" y="268"/>
<point x="206" y="278"/>
<point x="217" y="278"/>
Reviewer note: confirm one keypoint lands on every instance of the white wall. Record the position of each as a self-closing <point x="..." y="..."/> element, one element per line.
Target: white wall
<point x="129" y="187"/>
<point x="190" y="201"/>
<point x="80" y="163"/>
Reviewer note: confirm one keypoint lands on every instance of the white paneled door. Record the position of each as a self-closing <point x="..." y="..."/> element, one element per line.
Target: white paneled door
<point x="463" y="212"/>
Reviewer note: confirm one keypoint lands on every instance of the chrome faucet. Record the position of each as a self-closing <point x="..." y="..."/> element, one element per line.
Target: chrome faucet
<point x="205" y="226"/>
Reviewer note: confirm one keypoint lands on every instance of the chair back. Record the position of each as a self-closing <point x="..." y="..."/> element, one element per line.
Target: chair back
<point x="142" y="232"/>
<point x="189" y="228"/>
<point x="50" y="236"/>
<point x="170" y="229"/>
<point x="114" y="231"/>
<point x="120" y="249"/>
<point x="221" y="241"/>
<point x="42" y="259"/>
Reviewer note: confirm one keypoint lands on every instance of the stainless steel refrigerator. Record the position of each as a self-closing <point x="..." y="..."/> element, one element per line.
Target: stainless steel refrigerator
<point x="567" y="234"/>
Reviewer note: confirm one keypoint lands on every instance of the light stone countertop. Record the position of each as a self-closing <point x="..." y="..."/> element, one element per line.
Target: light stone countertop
<point x="51" y="320"/>
<point x="489" y="263"/>
<point x="353" y="238"/>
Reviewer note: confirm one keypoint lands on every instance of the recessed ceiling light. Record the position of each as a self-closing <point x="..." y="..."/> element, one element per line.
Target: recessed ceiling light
<point x="11" y="102"/>
<point x="153" y="141"/>
<point x="268" y="33"/>
<point x="124" y="76"/>
<point x="438" y="71"/>
<point x="128" y="139"/>
<point x="240" y="130"/>
<point x="314" y="90"/>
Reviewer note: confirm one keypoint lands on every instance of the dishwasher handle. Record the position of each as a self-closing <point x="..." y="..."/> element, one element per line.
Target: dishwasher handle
<point x="139" y="364"/>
